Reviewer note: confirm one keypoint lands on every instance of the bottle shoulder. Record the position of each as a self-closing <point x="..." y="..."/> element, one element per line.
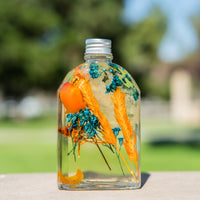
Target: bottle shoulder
<point x="70" y="75"/>
<point x="111" y="75"/>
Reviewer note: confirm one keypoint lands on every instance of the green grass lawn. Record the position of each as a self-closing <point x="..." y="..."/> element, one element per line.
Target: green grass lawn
<point x="31" y="147"/>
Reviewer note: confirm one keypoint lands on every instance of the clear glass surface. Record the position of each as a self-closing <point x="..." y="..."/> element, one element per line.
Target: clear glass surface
<point x="98" y="128"/>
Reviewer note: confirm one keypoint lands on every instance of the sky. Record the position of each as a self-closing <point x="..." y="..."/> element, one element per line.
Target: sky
<point x="180" y="38"/>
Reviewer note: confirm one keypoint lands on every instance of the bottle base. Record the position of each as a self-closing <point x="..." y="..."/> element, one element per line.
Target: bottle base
<point x="99" y="185"/>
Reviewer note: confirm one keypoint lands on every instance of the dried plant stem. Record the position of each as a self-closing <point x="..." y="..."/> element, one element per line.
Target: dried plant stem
<point x="137" y="169"/>
<point x="103" y="156"/>
<point x="126" y="164"/>
<point x="79" y="148"/>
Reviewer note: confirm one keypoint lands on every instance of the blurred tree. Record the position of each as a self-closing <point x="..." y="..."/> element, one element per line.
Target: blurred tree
<point x="26" y="59"/>
<point x="196" y="23"/>
<point x="40" y="40"/>
<point x="139" y="45"/>
<point x="138" y="49"/>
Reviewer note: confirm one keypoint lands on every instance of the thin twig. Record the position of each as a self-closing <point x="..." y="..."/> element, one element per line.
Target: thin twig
<point x="103" y="157"/>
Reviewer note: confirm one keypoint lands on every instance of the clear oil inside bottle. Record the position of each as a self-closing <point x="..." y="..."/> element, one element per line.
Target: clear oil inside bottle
<point x="98" y="127"/>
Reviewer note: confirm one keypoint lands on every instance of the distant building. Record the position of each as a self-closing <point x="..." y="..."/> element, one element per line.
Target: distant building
<point x="185" y="91"/>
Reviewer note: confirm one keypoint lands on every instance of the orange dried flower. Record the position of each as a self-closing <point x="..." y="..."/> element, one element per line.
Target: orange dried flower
<point x="77" y="178"/>
<point x="123" y="121"/>
<point x="71" y="98"/>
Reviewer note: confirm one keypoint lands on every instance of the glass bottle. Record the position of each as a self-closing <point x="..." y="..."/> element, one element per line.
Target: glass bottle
<point x="98" y="124"/>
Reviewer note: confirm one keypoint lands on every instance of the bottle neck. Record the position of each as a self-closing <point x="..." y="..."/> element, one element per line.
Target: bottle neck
<point x="98" y="58"/>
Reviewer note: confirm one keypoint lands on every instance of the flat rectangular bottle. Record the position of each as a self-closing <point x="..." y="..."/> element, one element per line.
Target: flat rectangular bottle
<point x="98" y="124"/>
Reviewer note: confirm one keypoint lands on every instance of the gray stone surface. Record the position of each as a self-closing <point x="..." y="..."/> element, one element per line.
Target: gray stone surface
<point x="155" y="185"/>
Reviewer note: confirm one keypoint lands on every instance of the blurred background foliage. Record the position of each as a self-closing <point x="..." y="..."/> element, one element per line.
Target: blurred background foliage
<point x="41" y="40"/>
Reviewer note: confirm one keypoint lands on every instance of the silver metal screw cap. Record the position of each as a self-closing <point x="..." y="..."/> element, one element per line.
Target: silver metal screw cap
<point x="98" y="46"/>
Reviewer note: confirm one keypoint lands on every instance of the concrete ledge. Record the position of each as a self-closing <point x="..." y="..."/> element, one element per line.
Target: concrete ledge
<point x="155" y="185"/>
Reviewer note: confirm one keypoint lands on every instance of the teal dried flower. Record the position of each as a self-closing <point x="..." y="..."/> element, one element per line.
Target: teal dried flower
<point x="86" y="112"/>
<point x="135" y="94"/>
<point x="87" y="120"/>
<point x="89" y="129"/>
<point x="113" y="65"/>
<point x="128" y="77"/>
<point x="94" y="70"/>
<point x="94" y="121"/>
<point x="69" y="117"/>
<point x="116" y="131"/>
<point x="120" y="139"/>
<point x="117" y="81"/>
<point x="114" y="84"/>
